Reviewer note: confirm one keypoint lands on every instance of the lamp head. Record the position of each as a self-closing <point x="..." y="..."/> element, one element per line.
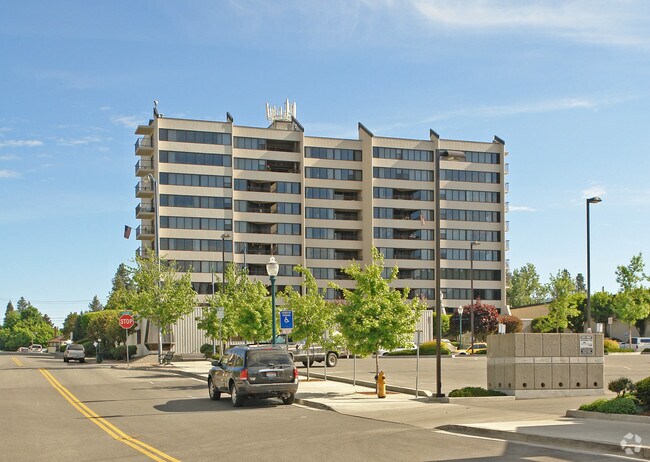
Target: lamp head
<point x="272" y="267"/>
<point x="225" y="236"/>
<point x="150" y="177"/>
<point x="594" y="200"/>
<point x="460" y="309"/>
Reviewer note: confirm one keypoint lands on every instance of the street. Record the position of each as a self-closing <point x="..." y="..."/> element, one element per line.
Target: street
<point x="88" y="412"/>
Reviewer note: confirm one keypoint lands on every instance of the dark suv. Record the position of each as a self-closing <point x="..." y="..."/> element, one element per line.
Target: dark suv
<point x="254" y="372"/>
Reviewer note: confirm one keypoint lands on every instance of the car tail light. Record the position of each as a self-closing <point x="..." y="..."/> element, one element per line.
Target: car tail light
<point x="295" y="372"/>
<point x="243" y="375"/>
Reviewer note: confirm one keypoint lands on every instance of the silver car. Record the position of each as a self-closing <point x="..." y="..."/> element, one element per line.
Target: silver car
<point x="74" y="351"/>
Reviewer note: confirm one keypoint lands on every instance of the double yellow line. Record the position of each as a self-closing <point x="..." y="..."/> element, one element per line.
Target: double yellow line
<point x="105" y="425"/>
<point x="17" y="361"/>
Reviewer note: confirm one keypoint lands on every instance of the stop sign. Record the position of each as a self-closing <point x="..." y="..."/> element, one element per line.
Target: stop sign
<point x="126" y="321"/>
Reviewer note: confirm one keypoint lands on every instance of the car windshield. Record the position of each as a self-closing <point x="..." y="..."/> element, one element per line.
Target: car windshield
<point x="75" y="347"/>
<point x="261" y="358"/>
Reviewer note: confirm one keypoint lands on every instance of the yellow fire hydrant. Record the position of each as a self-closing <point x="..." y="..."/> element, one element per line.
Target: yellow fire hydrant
<point x="381" y="384"/>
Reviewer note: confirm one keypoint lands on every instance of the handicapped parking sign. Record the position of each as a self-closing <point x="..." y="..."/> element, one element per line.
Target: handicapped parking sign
<point x="286" y="320"/>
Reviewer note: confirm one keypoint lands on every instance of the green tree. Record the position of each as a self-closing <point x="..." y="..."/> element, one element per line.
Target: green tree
<point x="562" y="307"/>
<point x="95" y="304"/>
<point x="22" y="304"/>
<point x="11" y="317"/>
<point x="525" y="288"/>
<point x="376" y="316"/>
<point x="8" y="312"/>
<point x="105" y="325"/>
<point x="161" y="296"/>
<point x="312" y="314"/>
<point x="580" y="283"/>
<point x="69" y="324"/>
<point x="602" y="306"/>
<point x="122" y="291"/>
<point x="632" y="303"/>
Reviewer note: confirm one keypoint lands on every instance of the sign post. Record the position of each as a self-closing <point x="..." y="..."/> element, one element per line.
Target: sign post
<point x="286" y="325"/>
<point x="126" y="322"/>
<point x="220" y="315"/>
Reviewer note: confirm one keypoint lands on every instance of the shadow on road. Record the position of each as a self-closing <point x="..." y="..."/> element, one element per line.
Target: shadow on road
<point x="223" y="405"/>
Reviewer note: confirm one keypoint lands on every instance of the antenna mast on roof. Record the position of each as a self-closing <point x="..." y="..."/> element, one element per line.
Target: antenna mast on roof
<point x="284" y="114"/>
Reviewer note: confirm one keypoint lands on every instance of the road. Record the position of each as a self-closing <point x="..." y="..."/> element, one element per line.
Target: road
<point x="87" y="412"/>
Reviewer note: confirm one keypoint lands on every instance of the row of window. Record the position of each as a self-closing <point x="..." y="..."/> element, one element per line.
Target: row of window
<point x="463" y="274"/>
<point x="344" y="174"/>
<point x="470" y="235"/>
<point x="482" y="157"/>
<point x="187" y="179"/>
<point x="470" y="215"/>
<point x="331" y="194"/>
<point x="196" y="223"/>
<point x="263" y="165"/>
<point x="266" y="144"/>
<point x="470" y="196"/>
<point x="282" y="187"/>
<point x="403" y="154"/>
<point x="334" y="234"/>
<point x="332" y="153"/>
<point x="195" y="158"/>
<point x="464" y="254"/>
<point x="469" y="176"/>
<point x="464" y="294"/>
<point x="321" y="253"/>
<point x="407" y="254"/>
<point x="199" y="202"/>
<point x="402" y="174"/>
<point x="191" y="136"/>
<point x="422" y="274"/>
<point x="322" y="213"/>
<point x="328" y="273"/>
<point x="286" y="208"/>
<point x="396" y="233"/>
<point x="291" y="250"/>
<point x="287" y="229"/>
<point x="196" y="245"/>
<point x="402" y="214"/>
<point x="411" y="195"/>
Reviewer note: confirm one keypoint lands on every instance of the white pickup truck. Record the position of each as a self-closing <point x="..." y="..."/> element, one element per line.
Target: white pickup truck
<point x="300" y="354"/>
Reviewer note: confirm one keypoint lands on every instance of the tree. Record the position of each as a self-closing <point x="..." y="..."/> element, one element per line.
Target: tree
<point x="122" y="291"/>
<point x="562" y="307"/>
<point x="312" y="314"/>
<point x="11" y="316"/>
<point x="512" y="323"/>
<point x="161" y="296"/>
<point x="105" y="325"/>
<point x="25" y="326"/>
<point x="8" y="312"/>
<point x="602" y="306"/>
<point x="376" y="316"/>
<point x="95" y="304"/>
<point x="632" y="303"/>
<point x="69" y="324"/>
<point x="22" y="304"/>
<point x="580" y="283"/>
<point x="525" y="288"/>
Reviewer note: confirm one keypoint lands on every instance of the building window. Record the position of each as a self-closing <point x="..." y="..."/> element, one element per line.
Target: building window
<point x="402" y="174"/>
<point x="195" y="158"/>
<point x="407" y="254"/>
<point x="470" y="235"/>
<point x="402" y="214"/>
<point x="289" y="229"/>
<point x="262" y="144"/>
<point x="286" y="208"/>
<point x="186" y="179"/>
<point x="399" y="233"/>
<point x="470" y="215"/>
<point x="403" y="194"/>
<point x="278" y="166"/>
<point x="402" y="154"/>
<point x="463" y="274"/>
<point x="469" y="176"/>
<point x="221" y="224"/>
<point x="331" y="194"/>
<point x="464" y="294"/>
<point x="464" y="254"/>
<point x="199" y="202"/>
<point x="332" y="153"/>
<point x="469" y="196"/>
<point x="195" y="245"/>
<point x="283" y="187"/>
<point x="333" y="174"/>
<point x="482" y="157"/>
<point x="190" y="136"/>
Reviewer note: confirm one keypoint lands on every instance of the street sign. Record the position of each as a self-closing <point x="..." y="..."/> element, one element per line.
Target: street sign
<point x="286" y="319"/>
<point x="220" y="312"/>
<point x="126" y="321"/>
<point x="586" y="345"/>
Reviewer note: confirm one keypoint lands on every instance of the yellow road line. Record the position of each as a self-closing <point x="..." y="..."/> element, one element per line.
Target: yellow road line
<point x="105" y="425"/>
<point x="17" y="361"/>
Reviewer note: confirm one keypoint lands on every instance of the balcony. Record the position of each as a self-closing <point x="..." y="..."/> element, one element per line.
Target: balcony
<point x="145" y="129"/>
<point x="144" y="146"/>
<point x="144" y="211"/>
<point x="352" y="215"/>
<point x="507" y="207"/>
<point x="145" y="233"/>
<point x="506" y="168"/>
<point x="143" y="190"/>
<point x="143" y="167"/>
<point x="341" y="235"/>
<point x="506" y="188"/>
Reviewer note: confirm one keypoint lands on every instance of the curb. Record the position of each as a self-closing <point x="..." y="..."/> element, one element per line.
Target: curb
<point x="568" y="443"/>
<point x="364" y="383"/>
<point x="612" y="417"/>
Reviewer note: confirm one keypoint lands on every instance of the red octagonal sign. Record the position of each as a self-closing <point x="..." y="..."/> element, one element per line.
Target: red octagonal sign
<point x="126" y="321"/>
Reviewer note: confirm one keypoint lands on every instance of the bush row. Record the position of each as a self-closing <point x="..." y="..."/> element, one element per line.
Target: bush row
<point x="631" y="398"/>
<point x="118" y="352"/>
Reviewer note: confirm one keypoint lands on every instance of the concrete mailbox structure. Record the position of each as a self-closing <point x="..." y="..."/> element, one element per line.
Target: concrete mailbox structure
<point x="545" y="365"/>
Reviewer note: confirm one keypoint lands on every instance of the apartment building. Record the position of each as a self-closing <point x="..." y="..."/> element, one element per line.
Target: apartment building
<point x="214" y="192"/>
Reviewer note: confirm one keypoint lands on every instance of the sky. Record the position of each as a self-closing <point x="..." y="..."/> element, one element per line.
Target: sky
<point x="564" y="83"/>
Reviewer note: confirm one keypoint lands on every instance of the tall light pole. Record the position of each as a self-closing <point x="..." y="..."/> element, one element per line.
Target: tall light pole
<point x="460" y="328"/>
<point x="156" y="202"/>
<point x="446" y="155"/>
<point x="272" y="269"/>
<point x="471" y="291"/>
<point x="224" y="236"/>
<point x="587" y="327"/>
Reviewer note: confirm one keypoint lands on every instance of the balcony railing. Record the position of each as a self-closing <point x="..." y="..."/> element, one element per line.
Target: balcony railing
<point x="143" y="167"/>
<point x="143" y="144"/>
<point x="506" y="188"/>
<point x="144" y="230"/>
<point x="143" y="189"/>
<point x="144" y="209"/>
<point x="506" y="168"/>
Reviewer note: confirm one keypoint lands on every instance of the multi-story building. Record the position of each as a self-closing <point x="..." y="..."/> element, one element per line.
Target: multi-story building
<point x="224" y="192"/>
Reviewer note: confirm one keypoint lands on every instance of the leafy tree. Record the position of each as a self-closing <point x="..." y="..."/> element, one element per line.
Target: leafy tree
<point x="105" y="325"/>
<point x="80" y="328"/>
<point x="580" y="283"/>
<point x="631" y="276"/>
<point x="578" y="303"/>
<point x="562" y="307"/>
<point x="525" y="288"/>
<point x="602" y="306"/>
<point x="513" y="323"/>
<point x="26" y="325"/>
<point x="22" y="304"/>
<point x="486" y="320"/>
<point x="376" y="316"/>
<point x="69" y="324"/>
<point x="161" y="296"/>
<point x="541" y="325"/>
<point x="8" y="313"/>
<point x="632" y="303"/>
<point x="95" y="304"/>
<point x="122" y="291"/>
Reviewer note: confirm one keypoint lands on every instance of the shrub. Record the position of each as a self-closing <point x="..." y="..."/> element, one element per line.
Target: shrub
<point x="513" y="323"/>
<point x="611" y="346"/>
<point x="642" y="391"/>
<point x="647" y="350"/>
<point x="206" y="349"/>
<point x="62" y="347"/>
<point x="618" y="405"/>
<point x="119" y="352"/>
<point x="430" y="348"/>
<point x="541" y="325"/>
<point x="593" y="406"/>
<point x="90" y="348"/>
<point x="620" y="386"/>
<point x="474" y="391"/>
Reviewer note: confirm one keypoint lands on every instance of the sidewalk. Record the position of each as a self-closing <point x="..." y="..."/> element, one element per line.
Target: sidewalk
<point x="541" y="421"/>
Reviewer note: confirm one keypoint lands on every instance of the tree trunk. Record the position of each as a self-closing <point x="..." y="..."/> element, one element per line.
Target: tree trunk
<point x="376" y="371"/>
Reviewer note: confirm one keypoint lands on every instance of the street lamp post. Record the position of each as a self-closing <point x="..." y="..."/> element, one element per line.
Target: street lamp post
<point x="272" y="268"/>
<point x="471" y="291"/>
<point x="447" y="155"/>
<point x="224" y="236"/>
<point x="460" y="328"/>
<point x="156" y="203"/>
<point x="587" y="326"/>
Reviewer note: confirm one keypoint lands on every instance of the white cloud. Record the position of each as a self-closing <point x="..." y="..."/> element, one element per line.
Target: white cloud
<point x="522" y="208"/>
<point x="593" y="191"/>
<point x="8" y="174"/>
<point x="127" y="121"/>
<point x="20" y="143"/>
<point x="9" y="157"/>
<point x="80" y="141"/>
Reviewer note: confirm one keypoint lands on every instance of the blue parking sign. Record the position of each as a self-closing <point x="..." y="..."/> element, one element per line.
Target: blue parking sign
<point x="286" y="319"/>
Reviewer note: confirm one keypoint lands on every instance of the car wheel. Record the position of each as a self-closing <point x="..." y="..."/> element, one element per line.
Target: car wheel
<point x="65" y="360"/>
<point x="331" y="359"/>
<point x="82" y="360"/>
<point x="311" y="363"/>
<point x="237" y="399"/>
<point x="215" y="394"/>
<point x="289" y="399"/>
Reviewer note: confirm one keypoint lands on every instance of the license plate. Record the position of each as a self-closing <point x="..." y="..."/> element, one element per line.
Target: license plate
<point x="271" y="375"/>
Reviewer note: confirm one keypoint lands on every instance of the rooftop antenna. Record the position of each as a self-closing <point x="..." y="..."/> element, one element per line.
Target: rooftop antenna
<point x="284" y="114"/>
<point x="155" y="109"/>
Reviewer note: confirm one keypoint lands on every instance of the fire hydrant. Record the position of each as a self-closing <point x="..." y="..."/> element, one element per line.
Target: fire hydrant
<point x="381" y="384"/>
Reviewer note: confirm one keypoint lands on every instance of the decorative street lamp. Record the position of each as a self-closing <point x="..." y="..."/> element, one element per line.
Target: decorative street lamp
<point x="156" y="208"/>
<point x="453" y="156"/>
<point x="471" y="291"/>
<point x="224" y="236"/>
<point x="272" y="268"/>
<point x="460" y="321"/>
<point x="587" y="326"/>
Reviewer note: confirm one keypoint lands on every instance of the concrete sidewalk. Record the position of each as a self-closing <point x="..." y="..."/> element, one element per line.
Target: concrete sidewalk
<point x="541" y="421"/>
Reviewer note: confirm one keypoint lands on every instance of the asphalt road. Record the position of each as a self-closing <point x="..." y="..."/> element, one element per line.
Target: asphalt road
<point x="85" y="412"/>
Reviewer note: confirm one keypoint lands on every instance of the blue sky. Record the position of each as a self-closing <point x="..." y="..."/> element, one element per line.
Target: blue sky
<point x="564" y="83"/>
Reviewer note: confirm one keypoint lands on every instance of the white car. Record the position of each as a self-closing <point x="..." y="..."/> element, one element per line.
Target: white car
<point x="36" y="348"/>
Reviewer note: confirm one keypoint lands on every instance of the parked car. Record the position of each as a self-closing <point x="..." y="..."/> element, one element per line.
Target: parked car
<point x="75" y="352"/>
<point x="246" y="371"/>
<point x="36" y="348"/>
<point x="300" y="353"/>
<point x="23" y="350"/>
<point x="478" y="348"/>
<point x="638" y="343"/>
